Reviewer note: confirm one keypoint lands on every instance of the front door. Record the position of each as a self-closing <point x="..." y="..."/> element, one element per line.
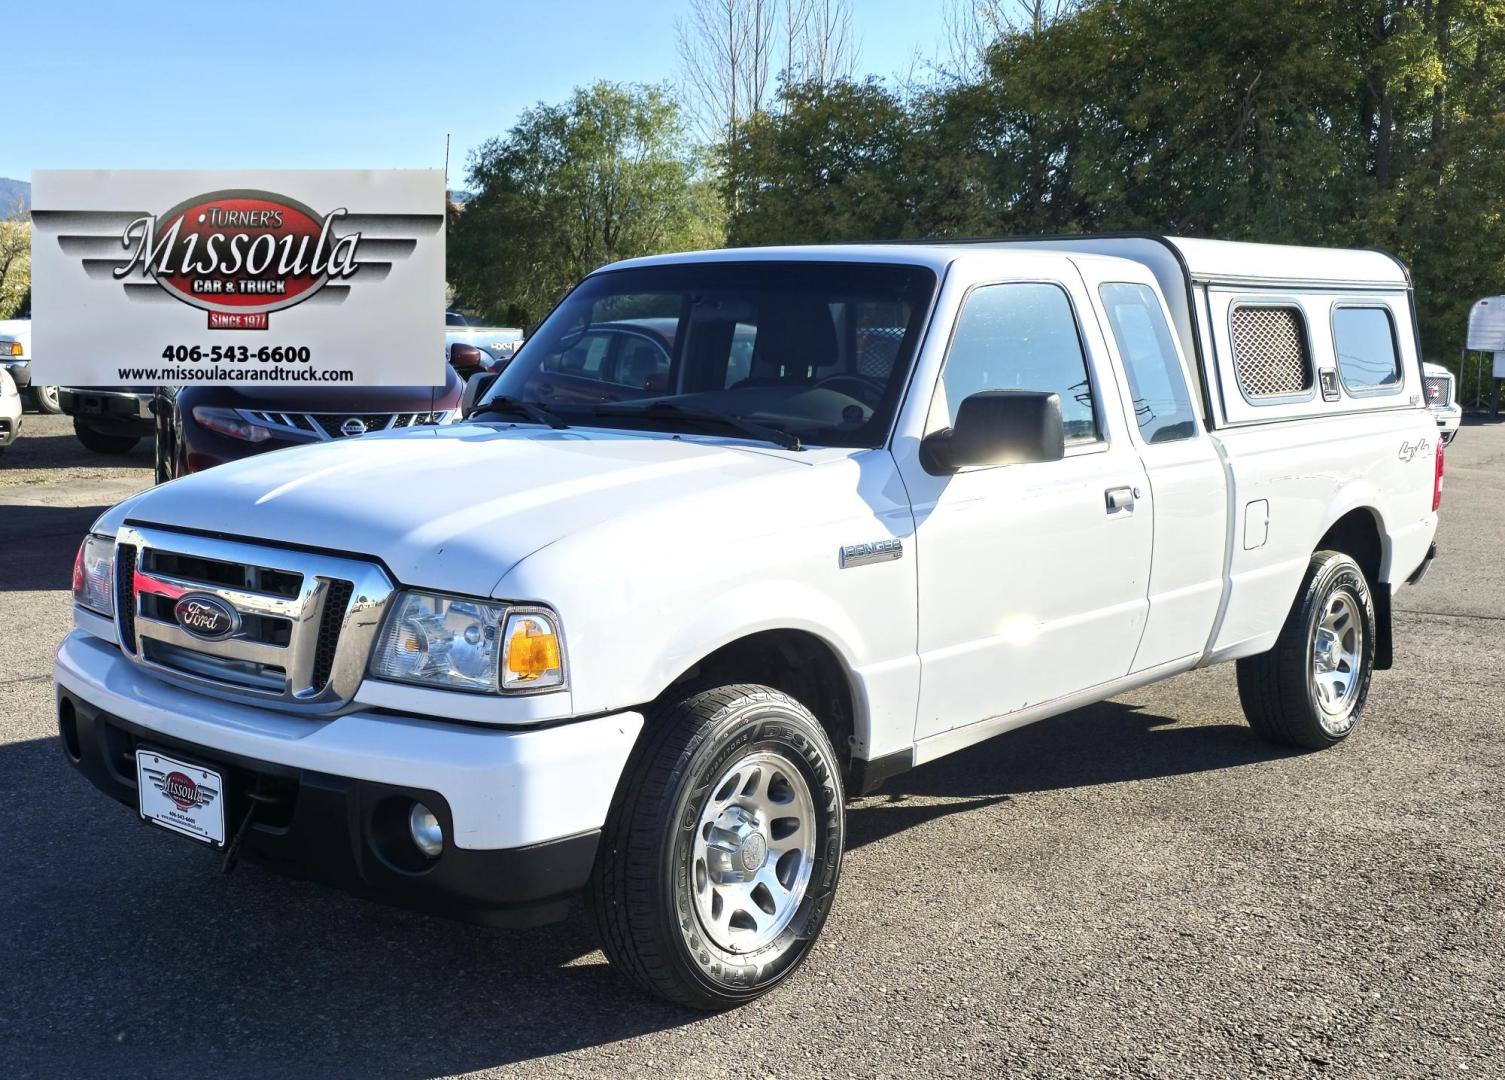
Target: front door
<point x="1032" y="578"/>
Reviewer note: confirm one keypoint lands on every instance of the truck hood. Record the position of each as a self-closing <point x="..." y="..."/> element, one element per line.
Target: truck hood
<point x="452" y="508"/>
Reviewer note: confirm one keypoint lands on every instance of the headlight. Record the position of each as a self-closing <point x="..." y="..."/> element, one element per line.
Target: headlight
<point x="229" y="422"/>
<point x="94" y="575"/>
<point x="12" y="348"/>
<point x="460" y="643"/>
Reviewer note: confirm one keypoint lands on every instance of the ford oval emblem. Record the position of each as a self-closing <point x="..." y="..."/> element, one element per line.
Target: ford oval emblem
<point x="206" y="617"/>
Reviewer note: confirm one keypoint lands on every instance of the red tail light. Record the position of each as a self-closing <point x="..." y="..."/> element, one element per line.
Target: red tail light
<point x="1437" y="483"/>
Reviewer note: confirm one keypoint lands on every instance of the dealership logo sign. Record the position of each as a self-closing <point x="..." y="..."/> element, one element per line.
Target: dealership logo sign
<point x="302" y="275"/>
<point x="182" y="789"/>
<point x="240" y="254"/>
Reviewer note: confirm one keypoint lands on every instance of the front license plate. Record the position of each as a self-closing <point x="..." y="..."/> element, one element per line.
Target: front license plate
<point x="187" y="799"/>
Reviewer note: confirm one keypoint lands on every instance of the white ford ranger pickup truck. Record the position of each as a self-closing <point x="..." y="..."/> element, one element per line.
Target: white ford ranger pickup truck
<point x="641" y="623"/>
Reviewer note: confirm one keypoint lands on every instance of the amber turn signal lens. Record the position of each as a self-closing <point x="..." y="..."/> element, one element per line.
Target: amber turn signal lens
<point x="533" y="659"/>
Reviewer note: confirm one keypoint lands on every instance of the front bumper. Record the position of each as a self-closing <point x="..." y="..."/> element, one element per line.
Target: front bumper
<point x="521" y="810"/>
<point x="10" y="428"/>
<point x="1448" y="418"/>
<point x="20" y="372"/>
<point x="111" y="412"/>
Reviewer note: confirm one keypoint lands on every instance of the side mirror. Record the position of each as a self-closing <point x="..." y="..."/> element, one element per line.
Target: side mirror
<point x="475" y="389"/>
<point x="998" y="427"/>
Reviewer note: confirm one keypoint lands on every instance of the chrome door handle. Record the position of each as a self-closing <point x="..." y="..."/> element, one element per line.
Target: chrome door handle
<point x="1120" y="500"/>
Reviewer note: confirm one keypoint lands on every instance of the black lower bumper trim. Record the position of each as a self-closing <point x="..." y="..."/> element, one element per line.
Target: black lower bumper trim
<point x="339" y="831"/>
<point x="107" y="413"/>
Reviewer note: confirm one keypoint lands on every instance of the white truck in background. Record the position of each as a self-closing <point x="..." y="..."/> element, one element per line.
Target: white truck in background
<point x="808" y="517"/>
<point x="1442" y="398"/>
<point x="15" y="357"/>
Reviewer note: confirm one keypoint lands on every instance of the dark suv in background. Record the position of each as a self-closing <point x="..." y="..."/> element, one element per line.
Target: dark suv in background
<point x="198" y="427"/>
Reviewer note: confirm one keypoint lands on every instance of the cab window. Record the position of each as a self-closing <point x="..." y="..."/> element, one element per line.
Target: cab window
<point x="1021" y="336"/>
<point x="1162" y="406"/>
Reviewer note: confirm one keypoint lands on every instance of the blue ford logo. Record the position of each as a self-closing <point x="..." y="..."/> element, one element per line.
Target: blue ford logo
<point x="206" y="616"/>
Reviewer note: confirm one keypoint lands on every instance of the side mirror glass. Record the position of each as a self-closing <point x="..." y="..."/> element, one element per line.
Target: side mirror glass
<point x="475" y="389"/>
<point x="998" y="427"/>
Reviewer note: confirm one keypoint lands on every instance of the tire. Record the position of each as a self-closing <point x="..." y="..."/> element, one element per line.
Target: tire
<point x="161" y="457"/>
<point x="44" y="399"/>
<point x="730" y="791"/>
<point x="1310" y="689"/>
<point x="101" y="443"/>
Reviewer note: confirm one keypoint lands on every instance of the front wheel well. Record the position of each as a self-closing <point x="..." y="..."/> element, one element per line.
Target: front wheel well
<point x="795" y="661"/>
<point x="1357" y="535"/>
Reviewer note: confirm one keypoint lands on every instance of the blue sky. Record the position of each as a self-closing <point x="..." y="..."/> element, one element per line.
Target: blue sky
<point x="361" y="84"/>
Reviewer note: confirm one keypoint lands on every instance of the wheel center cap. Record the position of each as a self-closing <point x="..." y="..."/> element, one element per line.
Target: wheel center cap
<point x="736" y="846"/>
<point x="1323" y="657"/>
<point x="754" y="852"/>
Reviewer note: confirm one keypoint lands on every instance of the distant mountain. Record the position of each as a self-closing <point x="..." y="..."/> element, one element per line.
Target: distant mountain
<point x="11" y="190"/>
<point x="459" y="198"/>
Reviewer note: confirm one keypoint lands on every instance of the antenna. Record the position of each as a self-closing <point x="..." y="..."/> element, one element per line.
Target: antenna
<point x="446" y="165"/>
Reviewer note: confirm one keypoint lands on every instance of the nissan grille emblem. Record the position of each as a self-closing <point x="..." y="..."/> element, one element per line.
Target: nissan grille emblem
<point x="352" y="427"/>
<point x="206" y="617"/>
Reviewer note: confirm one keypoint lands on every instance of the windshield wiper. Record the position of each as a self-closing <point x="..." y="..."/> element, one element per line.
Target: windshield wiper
<point x="537" y="413"/>
<point x="750" y="428"/>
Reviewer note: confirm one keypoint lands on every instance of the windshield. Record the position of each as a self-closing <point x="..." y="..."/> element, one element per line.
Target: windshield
<point x="819" y="352"/>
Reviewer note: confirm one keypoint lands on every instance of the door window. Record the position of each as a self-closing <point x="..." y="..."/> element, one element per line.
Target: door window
<point x="1021" y="336"/>
<point x="1162" y="406"/>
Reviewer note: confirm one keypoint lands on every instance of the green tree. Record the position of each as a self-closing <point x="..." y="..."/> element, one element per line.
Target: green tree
<point x="606" y="175"/>
<point x="1371" y="123"/>
<point x="828" y="165"/>
<point x="1379" y="123"/>
<point x="15" y="261"/>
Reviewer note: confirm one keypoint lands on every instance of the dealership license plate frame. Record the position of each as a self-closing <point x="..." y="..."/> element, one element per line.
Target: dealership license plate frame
<point x="203" y="819"/>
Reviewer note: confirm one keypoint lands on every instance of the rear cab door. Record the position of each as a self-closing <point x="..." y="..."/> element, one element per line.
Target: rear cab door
<point x="1185" y="471"/>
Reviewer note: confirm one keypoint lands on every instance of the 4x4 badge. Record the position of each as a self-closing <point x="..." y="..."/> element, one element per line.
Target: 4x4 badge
<point x="1409" y="451"/>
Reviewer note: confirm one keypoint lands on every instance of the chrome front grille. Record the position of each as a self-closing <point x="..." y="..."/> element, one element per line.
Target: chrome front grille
<point x="1439" y="389"/>
<point x="302" y="623"/>
<point x="326" y="426"/>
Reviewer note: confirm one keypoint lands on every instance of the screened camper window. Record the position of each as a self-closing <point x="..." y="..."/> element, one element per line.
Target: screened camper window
<point x="1364" y="338"/>
<point x="1270" y="353"/>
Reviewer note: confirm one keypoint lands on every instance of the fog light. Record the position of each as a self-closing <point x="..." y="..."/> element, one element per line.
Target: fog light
<point x="425" y="830"/>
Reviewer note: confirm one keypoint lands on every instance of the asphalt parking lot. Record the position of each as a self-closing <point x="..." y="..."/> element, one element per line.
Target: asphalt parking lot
<point x="1139" y="888"/>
